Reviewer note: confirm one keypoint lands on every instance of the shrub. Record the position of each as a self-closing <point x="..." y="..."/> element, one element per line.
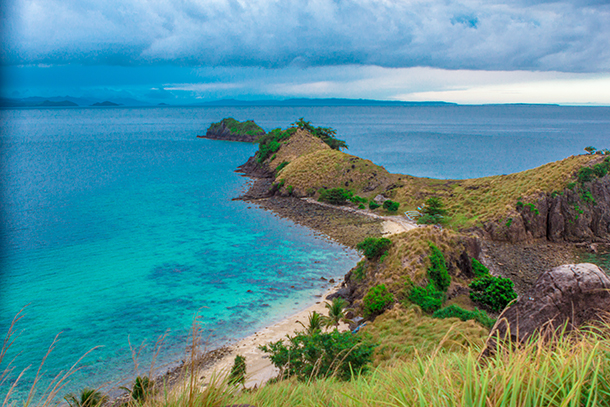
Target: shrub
<point x="478" y="269"/>
<point x="437" y="272"/>
<point x="390" y="206"/>
<point x="433" y="212"/>
<point x="289" y="189"/>
<point x="338" y="354"/>
<point x="373" y="205"/>
<point x="361" y="206"/>
<point x="429" y="299"/>
<point x="335" y="196"/>
<point x="453" y="311"/>
<point x="373" y="248"/>
<point x="281" y="166"/>
<point x="238" y="371"/>
<point x="585" y="174"/>
<point x="358" y="199"/>
<point x="326" y="134"/>
<point x="377" y="300"/>
<point x="141" y="390"/>
<point x="532" y="208"/>
<point x="492" y="292"/>
<point x="359" y="272"/>
<point x="87" y="398"/>
<point x="587" y="197"/>
<point x="269" y="143"/>
<point x="571" y="185"/>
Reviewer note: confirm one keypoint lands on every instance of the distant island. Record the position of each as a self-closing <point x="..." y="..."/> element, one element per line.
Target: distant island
<point x="105" y="104"/>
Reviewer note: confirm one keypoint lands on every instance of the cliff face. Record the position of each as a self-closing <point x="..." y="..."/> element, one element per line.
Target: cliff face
<point x="581" y="214"/>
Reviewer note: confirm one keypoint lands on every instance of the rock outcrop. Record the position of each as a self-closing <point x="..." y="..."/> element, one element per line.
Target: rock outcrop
<point x="572" y="294"/>
<point x="581" y="214"/>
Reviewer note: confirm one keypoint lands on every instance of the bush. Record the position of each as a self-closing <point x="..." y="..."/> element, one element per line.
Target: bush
<point x="433" y="212"/>
<point x="238" y="371"/>
<point x="269" y="143"/>
<point x="390" y="206"/>
<point x="478" y="269"/>
<point x="335" y="196"/>
<point x="585" y="174"/>
<point x="377" y="300"/>
<point x="281" y="166"/>
<point x="373" y="248"/>
<point x="492" y="292"/>
<point x="358" y="199"/>
<point x="453" y="311"/>
<point x="429" y="299"/>
<point x="373" y="205"/>
<point x="326" y="134"/>
<point x="437" y="272"/>
<point x="321" y="355"/>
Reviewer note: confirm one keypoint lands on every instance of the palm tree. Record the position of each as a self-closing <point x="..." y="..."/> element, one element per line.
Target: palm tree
<point x="142" y="388"/>
<point x="336" y="313"/>
<point x="314" y="323"/>
<point x="88" y="398"/>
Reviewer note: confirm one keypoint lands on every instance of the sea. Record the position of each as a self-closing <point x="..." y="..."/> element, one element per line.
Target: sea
<point x="119" y="227"/>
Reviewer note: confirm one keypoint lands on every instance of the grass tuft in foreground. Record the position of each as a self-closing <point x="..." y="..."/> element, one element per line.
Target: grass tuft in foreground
<point x="569" y="371"/>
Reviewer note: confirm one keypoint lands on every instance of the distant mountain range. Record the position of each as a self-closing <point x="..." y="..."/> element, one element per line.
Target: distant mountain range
<point x="319" y="102"/>
<point x="68" y="101"/>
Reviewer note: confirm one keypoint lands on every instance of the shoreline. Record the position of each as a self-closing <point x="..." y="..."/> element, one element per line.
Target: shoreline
<point x="259" y="368"/>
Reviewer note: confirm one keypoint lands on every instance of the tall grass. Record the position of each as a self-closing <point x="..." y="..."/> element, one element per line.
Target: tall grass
<point x="37" y="396"/>
<point x="573" y="370"/>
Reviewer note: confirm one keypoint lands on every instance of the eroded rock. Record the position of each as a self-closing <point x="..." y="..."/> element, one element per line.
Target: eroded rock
<point x="572" y="293"/>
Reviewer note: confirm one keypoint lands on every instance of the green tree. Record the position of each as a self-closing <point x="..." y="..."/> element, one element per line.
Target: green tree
<point x="88" y="398"/>
<point x="314" y="325"/>
<point x="433" y="211"/>
<point x="238" y="371"/>
<point x="590" y="149"/>
<point x="326" y="134"/>
<point x="338" y="354"/>
<point x="336" y="313"/>
<point x="377" y="300"/>
<point x="373" y="248"/>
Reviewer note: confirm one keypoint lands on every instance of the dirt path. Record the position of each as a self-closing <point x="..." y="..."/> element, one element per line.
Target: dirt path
<point x="391" y="224"/>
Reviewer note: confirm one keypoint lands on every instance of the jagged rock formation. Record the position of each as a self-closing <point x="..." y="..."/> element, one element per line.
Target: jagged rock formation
<point x="232" y="130"/>
<point x="581" y="214"/>
<point x="572" y="293"/>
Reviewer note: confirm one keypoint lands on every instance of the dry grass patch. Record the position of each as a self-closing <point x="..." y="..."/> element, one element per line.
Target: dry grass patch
<point x="333" y="169"/>
<point x="403" y="333"/>
<point x="472" y="202"/>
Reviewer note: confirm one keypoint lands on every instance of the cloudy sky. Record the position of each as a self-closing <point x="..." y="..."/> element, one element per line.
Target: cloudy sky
<point x="514" y="51"/>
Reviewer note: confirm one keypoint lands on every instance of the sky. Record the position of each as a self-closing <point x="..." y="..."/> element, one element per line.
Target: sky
<point x="471" y="52"/>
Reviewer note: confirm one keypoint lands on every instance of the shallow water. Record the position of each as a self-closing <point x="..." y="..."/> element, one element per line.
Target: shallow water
<point x="118" y="223"/>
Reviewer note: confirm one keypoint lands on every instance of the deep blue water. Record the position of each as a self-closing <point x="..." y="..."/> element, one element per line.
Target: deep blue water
<point x="119" y="222"/>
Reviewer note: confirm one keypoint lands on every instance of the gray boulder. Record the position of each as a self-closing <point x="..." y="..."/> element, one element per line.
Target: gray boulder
<point x="572" y="293"/>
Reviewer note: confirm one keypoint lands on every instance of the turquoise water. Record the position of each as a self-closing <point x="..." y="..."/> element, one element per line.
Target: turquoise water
<point x="118" y="223"/>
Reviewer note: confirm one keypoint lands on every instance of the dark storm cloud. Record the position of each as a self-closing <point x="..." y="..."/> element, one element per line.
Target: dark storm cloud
<point x="513" y="35"/>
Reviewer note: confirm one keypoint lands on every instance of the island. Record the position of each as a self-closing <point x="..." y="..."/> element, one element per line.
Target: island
<point x="230" y="129"/>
